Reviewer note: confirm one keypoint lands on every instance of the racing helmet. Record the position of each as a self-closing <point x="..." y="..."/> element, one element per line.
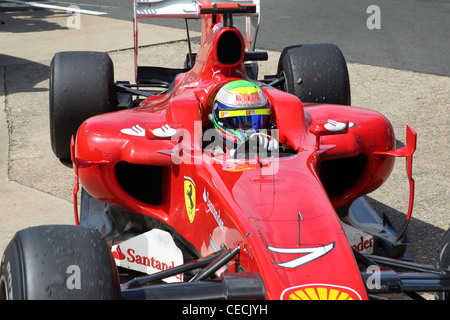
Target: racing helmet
<point x="240" y="109"/>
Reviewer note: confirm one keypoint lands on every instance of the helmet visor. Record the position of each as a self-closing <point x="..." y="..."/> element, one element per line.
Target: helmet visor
<point x="245" y="119"/>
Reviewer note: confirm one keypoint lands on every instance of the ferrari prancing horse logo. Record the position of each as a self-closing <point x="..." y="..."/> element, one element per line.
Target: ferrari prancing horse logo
<point x="189" y="197"/>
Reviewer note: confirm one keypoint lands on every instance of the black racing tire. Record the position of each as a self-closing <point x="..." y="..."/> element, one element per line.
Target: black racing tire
<point x="315" y="73"/>
<point x="58" y="262"/>
<point x="444" y="262"/>
<point x="81" y="86"/>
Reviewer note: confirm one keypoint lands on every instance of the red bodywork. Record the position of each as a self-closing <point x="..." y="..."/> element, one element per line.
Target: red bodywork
<point x="275" y="209"/>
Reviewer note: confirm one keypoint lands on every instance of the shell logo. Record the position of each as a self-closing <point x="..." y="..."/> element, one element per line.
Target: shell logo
<point x="320" y="292"/>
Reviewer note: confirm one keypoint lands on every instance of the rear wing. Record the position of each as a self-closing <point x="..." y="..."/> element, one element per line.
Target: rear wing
<point x="187" y="9"/>
<point x="190" y="9"/>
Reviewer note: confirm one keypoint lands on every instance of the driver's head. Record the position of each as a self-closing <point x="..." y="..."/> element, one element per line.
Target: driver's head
<point x="240" y="108"/>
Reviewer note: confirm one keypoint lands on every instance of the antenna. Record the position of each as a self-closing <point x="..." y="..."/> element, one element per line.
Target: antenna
<point x="191" y="62"/>
<point x="299" y="218"/>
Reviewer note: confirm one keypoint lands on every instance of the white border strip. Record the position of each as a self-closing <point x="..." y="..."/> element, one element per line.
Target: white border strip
<point x="49" y="6"/>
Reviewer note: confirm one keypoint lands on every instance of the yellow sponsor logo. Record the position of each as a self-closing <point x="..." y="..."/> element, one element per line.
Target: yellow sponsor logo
<point x="189" y="198"/>
<point x="320" y="292"/>
<point x="244" y="112"/>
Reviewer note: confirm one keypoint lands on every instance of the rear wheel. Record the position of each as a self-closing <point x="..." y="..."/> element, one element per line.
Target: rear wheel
<point x="58" y="262"/>
<point x="315" y="73"/>
<point x="81" y="86"/>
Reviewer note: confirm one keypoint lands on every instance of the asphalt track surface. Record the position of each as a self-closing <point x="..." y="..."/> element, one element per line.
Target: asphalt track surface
<point x="36" y="188"/>
<point x="412" y="35"/>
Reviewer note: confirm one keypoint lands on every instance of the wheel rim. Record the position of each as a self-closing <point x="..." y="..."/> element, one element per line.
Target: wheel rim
<point x="283" y="85"/>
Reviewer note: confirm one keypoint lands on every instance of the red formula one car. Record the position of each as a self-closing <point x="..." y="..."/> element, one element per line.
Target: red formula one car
<point x="163" y="215"/>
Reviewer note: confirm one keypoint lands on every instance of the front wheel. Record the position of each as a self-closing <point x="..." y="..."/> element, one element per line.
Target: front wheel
<point x="58" y="262"/>
<point x="81" y="86"/>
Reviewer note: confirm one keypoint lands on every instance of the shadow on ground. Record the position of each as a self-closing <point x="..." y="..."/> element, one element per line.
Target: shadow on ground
<point x="25" y="19"/>
<point x="24" y="73"/>
<point x="419" y="232"/>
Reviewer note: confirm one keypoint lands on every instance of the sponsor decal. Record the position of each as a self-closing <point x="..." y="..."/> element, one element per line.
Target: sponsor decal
<point x="359" y="240"/>
<point x="320" y="291"/>
<point x="165" y="131"/>
<point x="335" y="126"/>
<point x="214" y="212"/>
<point x="189" y="197"/>
<point x="364" y="245"/>
<point x="150" y="252"/>
<point x="309" y="254"/>
<point x="118" y="254"/>
<point x="136" y="130"/>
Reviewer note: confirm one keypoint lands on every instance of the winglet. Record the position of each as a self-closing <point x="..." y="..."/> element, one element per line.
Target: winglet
<point x="406" y="151"/>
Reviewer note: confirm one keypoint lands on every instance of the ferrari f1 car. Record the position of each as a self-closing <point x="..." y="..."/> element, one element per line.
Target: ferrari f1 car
<point x="162" y="216"/>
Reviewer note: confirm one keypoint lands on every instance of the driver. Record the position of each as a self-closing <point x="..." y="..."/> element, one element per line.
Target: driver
<point x="241" y="116"/>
